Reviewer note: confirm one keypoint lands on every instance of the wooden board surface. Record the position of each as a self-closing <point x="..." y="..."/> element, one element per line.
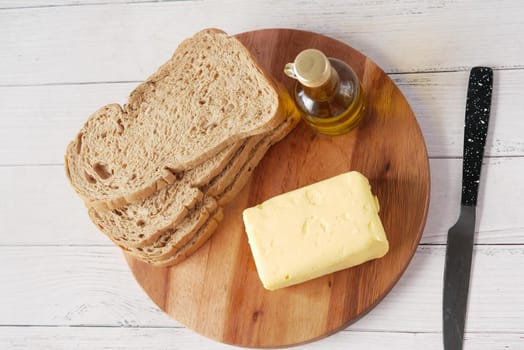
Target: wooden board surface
<point x="217" y="291"/>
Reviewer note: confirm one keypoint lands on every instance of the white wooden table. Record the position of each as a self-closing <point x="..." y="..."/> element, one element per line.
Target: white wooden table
<point x="63" y="285"/>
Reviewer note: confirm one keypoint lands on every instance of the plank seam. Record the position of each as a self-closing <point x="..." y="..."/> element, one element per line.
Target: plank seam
<point x="109" y="245"/>
<point x="9" y="165"/>
<point x="88" y="4"/>
<point x="392" y="74"/>
<point x="72" y="83"/>
<point x="347" y="330"/>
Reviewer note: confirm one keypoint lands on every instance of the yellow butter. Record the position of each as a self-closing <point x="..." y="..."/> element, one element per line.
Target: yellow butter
<point x="315" y="230"/>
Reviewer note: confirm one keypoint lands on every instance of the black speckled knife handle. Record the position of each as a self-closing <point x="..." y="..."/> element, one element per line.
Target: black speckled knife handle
<point x="478" y="106"/>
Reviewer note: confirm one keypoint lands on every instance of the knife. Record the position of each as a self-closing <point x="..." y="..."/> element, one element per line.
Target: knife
<point x="460" y="236"/>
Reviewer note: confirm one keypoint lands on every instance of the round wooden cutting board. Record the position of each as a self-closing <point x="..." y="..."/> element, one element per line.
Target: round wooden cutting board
<point x="217" y="291"/>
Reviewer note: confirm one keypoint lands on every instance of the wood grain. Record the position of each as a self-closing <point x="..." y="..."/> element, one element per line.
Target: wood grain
<point x="217" y="291"/>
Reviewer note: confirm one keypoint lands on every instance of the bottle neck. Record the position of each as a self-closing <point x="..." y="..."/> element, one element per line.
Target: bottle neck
<point x="326" y="90"/>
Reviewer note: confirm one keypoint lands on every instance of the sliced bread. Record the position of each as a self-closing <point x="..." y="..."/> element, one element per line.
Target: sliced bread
<point x="210" y="94"/>
<point x="167" y="250"/>
<point x="212" y="167"/>
<point x="136" y="225"/>
<point x="173" y="239"/>
<point x="196" y="241"/>
<point x="228" y="174"/>
<point x="139" y="224"/>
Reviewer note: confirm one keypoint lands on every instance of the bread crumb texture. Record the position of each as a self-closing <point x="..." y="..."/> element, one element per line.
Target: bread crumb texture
<point x="210" y="94"/>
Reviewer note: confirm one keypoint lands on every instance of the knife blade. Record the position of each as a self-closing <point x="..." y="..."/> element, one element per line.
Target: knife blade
<point x="461" y="236"/>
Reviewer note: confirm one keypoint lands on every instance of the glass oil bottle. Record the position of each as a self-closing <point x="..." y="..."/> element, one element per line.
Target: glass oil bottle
<point x="327" y="91"/>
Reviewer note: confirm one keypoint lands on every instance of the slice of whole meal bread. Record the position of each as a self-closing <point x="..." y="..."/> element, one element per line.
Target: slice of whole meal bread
<point x="167" y="249"/>
<point x="172" y="240"/>
<point x="139" y="224"/>
<point x="195" y="241"/>
<point x="209" y="95"/>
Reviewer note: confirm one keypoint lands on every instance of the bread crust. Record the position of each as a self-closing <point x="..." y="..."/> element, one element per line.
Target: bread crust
<point x="231" y="190"/>
<point x="105" y="194"/>
<point x="178" y="202"/>
<point x="158" y="209"/>
<point x="201" y="237"/>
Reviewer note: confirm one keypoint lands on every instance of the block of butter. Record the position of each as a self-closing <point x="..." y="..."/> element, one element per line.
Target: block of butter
<point x="315" y="230"/>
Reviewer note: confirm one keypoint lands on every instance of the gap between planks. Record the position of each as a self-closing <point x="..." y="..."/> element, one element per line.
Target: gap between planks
<point x="429" y="157"/>
<point x="87" y="245"/>
<point x="390" y="74"/>
<point x="29" y="7"/>
<point x="348" y="329"/>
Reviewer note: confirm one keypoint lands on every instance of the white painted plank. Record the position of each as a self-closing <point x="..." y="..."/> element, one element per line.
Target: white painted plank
<point x="72" y="286"/>
<point x="39" y="207"/>
<point x="92" y="286"/>
<point x="181" y="339"/>
<point x="128" y="41"/>
<point x="415" y="304"/>
<point x="499" y="216"/>
<point x="58" y="217"/>
<point x="23" y="4"/>
<point x="439" y="100"/>
<point x="37" y="122"/>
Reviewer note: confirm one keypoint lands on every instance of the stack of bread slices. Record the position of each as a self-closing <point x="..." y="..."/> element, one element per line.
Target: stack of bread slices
<point x="155" y="173"/>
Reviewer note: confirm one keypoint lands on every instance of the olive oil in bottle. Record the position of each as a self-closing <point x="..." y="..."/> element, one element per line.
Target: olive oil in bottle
<point x="327" y="91"/>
